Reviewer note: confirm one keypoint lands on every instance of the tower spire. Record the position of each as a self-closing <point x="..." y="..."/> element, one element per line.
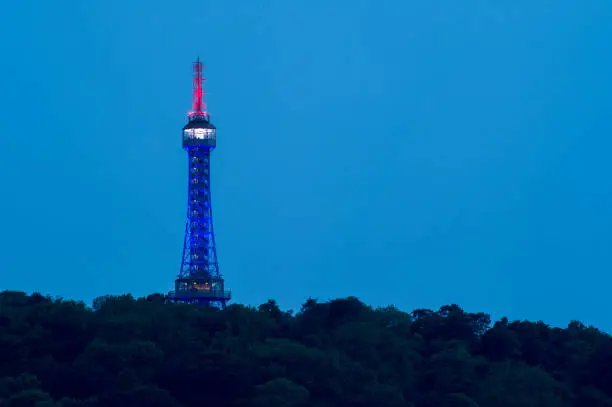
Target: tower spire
<point x="198" y="106"/>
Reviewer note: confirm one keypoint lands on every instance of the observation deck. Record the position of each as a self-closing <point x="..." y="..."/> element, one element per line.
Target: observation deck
<point x="199" y="132"/>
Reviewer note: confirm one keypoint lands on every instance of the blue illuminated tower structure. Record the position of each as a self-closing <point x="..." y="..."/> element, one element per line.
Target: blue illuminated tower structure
<point x="199" y="280"/>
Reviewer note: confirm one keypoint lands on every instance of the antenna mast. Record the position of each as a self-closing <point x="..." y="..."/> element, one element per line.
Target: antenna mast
<point x="198" y="107"/>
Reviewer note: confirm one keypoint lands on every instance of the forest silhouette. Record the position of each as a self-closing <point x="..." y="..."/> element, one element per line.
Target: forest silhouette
<point x="123" y="351"/>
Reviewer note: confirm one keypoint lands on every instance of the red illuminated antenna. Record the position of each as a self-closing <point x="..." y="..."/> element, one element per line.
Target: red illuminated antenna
<point x="198" y="107"/>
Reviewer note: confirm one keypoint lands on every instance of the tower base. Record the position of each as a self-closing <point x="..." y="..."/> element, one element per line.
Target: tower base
<point x="200" y="291"/>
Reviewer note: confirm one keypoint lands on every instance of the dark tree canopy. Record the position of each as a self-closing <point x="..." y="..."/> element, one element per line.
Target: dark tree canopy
<point x="145" y="352"/>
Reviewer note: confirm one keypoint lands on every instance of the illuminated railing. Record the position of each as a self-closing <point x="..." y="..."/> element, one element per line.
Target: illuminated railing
<point x="200" y="137"/>
<point x="200" y="134"/>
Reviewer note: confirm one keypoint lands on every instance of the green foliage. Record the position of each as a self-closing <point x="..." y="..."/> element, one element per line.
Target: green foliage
<point x="145" y="352"/>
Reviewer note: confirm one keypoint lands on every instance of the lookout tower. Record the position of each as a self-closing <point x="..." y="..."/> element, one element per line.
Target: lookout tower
<point x="199" y="280"/>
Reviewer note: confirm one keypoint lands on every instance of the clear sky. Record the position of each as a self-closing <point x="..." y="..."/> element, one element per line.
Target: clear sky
<point x="416" y="153"/>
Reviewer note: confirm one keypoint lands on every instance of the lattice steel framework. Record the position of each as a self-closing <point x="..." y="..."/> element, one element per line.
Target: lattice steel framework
<point x="199" y="280"/>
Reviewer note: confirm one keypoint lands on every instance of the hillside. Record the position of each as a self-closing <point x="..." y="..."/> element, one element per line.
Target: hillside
<point x="144" y="352"/>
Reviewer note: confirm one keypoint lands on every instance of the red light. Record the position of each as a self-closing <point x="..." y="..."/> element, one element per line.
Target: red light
<point x="198" y="107"/>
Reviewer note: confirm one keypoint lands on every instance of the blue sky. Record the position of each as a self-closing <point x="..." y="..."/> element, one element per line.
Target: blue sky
<point x="415" y="153"/>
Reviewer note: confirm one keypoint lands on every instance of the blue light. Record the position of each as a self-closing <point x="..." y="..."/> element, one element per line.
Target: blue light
<point x="199" y="280"/>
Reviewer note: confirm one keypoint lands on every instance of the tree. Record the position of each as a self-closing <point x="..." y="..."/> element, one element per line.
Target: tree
<point x="147" y="352"/>
<point x="280" y="392"/>
<point x="514" y="384"/>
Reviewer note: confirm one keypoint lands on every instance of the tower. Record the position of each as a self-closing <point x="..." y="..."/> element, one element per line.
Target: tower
<point x="199" y="280"/>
